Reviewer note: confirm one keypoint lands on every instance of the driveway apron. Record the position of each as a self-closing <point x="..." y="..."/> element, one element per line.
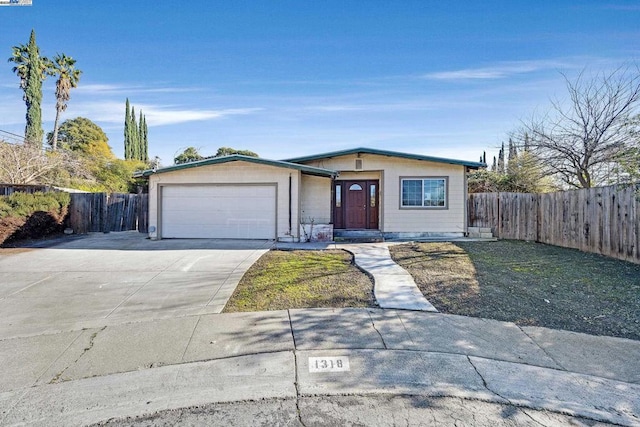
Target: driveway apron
<point x="101" y="279"/>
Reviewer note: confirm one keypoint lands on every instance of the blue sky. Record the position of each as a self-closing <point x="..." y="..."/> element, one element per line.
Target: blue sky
<point x="291" y="78"/>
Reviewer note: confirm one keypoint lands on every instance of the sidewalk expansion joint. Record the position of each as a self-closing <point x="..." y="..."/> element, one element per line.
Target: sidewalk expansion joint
<point x="58" y="377"/>
<point x="190" y="339"/>
<point x="405" y="327"/>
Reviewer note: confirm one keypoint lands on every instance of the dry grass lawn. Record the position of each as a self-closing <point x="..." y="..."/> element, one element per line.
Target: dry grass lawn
<point x="302" y="279"/>
<point x="529" y="284"/>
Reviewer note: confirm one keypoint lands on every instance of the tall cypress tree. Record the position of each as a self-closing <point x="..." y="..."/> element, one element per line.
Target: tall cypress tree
<point x="136" y="144"/>
<point x="134" y="134"/>
<point x="33" y="132"/>
<point x="143" y="142"/>
<point x="127" y="131"/>
<point x="146" y="141"/>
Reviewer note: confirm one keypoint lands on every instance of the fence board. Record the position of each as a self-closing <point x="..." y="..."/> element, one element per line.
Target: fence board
<point x="602" y="220"/>
<point x="102" y="212"/>
<point x="8" y="189"/>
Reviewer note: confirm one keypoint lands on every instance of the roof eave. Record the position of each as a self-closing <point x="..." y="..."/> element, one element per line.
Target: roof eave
<point x="361" y="150"/>
<point x="309" y="170"/>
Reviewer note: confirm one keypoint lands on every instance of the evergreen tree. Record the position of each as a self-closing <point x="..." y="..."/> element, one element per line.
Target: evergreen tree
<point x="144" y="139"/>
<point x="31" y="68"/>
<point x="33" y="94"/>
<point x="136" y="143"/>
<point x="134" y="135"/>
<point x="141" y="151"/>
<point x="127" y="131"/>
<point x="513" y="151"/>
<point x="501" y="168"/>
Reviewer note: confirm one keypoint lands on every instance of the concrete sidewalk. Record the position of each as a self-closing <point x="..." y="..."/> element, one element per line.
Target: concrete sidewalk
<point x="80" y="377"/>
<point x="394" y="287"/>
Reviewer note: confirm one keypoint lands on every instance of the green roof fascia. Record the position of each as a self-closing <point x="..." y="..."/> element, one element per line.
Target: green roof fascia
<point x="473" y="165"/>
<point x="309" y="170"/>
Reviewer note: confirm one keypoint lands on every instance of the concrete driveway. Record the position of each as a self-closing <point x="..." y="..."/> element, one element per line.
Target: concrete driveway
<point x="102" y="279"/>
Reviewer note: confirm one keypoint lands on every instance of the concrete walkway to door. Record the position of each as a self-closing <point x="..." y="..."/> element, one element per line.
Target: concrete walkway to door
<point x="394" y="288"/>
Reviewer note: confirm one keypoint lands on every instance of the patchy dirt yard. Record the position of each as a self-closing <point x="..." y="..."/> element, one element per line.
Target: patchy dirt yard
<point x="302" y="279"/>
<point x="529" y="284"/>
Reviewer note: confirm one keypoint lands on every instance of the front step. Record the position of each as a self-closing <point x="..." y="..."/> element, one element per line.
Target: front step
<point x="358" y="236"/>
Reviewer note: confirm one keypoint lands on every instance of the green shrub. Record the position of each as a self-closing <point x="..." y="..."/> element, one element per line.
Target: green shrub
<point x="22" y="205"/>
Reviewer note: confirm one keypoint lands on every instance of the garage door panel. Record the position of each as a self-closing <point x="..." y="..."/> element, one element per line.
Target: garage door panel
<point x="214" y="211"/>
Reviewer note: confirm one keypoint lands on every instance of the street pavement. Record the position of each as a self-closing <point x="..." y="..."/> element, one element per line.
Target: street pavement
<point x="186" y="365"/>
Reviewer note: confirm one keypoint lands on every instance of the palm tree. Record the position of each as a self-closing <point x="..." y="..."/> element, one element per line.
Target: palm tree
<point x="68" y="76"/>
<point x="20" y="57"/>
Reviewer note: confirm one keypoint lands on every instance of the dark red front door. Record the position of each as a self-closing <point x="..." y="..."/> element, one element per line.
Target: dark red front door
<point x="356" y="205"/>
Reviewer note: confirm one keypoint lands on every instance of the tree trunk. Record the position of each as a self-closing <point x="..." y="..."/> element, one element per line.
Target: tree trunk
<point x="54" y="141"/>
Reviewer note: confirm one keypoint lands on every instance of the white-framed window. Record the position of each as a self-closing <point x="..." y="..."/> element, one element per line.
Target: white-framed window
<point x="423" y="192"/>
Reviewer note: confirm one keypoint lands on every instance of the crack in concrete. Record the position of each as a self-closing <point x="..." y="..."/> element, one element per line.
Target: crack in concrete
<point x="484" y="382"/>
<point x="297" y="385"/>
<point x="507" y="400"/>
<point x="376" y="329"/>
<point x="541" y="348"/>
<point x="522" y="411"/>
<point x="295" y="368"/>
<point x="58" y="376"/>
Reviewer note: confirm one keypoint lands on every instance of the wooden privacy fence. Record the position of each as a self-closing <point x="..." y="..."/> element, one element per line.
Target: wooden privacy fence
<point x="603" y="220"/>
<point x="9" y="189"/>
<point x="94" y="212"/>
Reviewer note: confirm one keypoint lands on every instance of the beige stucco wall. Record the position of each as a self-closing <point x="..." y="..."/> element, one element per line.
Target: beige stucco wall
<point x="389" y="170"/>
<point x="232" y="173"/>
<point x="315" y="200"/>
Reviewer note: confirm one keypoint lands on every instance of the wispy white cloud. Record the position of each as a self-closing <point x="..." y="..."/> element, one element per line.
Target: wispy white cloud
<point x="159" y="116"/>
<point x="498" y="71"/>
<point x="106" y="89"/>
<point x="156" y="115"/>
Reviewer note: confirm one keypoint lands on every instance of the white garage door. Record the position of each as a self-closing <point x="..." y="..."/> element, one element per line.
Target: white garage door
<point x="219" y="211"/>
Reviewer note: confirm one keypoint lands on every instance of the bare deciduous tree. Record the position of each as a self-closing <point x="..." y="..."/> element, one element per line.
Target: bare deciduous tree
<point x="581" y="140"/>
<point x="26" y="164"/>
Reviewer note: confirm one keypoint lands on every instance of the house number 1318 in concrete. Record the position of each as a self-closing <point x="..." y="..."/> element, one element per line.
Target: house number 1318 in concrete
<point x="329" y="364"/>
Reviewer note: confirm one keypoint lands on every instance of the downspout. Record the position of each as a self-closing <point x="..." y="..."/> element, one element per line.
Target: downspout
<point x="466" y="202"/>
<point x="290" y="202"/>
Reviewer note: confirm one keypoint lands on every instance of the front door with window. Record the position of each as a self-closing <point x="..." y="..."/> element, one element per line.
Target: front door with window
<point x="356" y="205"/>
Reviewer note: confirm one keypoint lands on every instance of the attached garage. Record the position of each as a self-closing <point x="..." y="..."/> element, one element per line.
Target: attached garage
<point x="219" y="211"/>
<point x="233" y="197"/>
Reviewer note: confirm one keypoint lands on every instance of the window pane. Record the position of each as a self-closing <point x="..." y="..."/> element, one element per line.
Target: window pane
<point x="355" y="187"/>
<point x="372" y="197"/>
<point x="338" y="195"/>
<point x="434" y="192"/>
<point x="411" y="192"/>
